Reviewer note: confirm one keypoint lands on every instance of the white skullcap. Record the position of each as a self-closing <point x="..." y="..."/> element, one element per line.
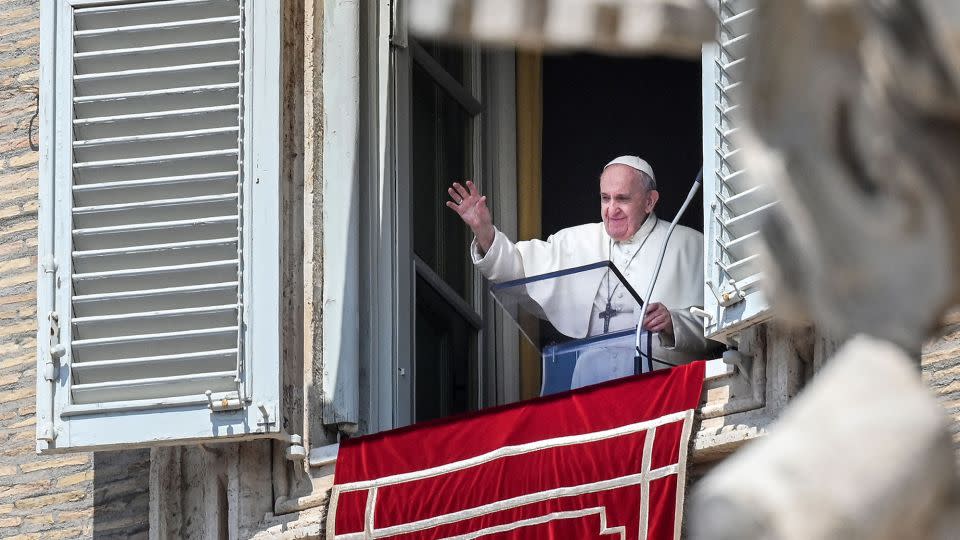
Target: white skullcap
<point x="636" y="163"/>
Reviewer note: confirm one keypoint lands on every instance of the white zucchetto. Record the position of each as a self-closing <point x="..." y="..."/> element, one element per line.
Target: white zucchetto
<point x="635" y="162"/>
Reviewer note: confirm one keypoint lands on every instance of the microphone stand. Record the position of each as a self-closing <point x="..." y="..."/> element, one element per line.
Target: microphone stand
<point x="656" y="273"/>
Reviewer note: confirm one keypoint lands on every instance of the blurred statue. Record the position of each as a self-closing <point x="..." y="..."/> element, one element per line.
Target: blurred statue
<point x="852" y="115"/>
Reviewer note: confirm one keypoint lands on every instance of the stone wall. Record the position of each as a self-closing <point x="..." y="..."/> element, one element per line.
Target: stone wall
<point x="941" y="370"/>
<point x="101" y="495"/>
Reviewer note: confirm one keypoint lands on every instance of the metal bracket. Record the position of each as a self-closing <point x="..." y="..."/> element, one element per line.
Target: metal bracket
<point x="223" y="403"/>
<point x="727" y="298"/>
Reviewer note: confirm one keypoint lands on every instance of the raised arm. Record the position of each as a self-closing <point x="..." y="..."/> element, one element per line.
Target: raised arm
<point x="467" y="202"/>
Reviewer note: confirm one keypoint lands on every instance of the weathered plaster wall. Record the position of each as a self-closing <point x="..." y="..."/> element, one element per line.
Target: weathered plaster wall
<point x="101" y="495"/>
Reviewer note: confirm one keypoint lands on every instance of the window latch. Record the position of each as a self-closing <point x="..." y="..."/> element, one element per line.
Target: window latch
<point x="51" y="368"/>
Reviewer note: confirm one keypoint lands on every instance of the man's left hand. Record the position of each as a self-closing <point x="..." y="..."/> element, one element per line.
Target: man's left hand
<point x="658" y="319"/>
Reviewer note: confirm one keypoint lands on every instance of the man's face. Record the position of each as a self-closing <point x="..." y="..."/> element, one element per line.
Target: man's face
<point x="625" y="201"/>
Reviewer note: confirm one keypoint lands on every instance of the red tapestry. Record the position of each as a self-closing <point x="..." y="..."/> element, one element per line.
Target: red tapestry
<point x="600" y="461"/>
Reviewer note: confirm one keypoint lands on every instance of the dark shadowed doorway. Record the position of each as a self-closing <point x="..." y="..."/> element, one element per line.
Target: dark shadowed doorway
<point x="598" y="107"/>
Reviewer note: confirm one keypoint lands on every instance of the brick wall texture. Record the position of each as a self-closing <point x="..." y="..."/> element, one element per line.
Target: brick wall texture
<point x="102" y="495"/>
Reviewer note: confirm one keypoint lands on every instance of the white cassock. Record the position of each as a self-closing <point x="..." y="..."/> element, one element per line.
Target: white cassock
<point x="573" y="306"/>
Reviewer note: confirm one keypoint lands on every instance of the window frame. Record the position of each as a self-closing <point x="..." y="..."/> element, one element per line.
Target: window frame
<point x="387" y="248"/>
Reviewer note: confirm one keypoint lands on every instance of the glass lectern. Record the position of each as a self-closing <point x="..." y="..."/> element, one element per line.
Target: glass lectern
<point x="582" y="321"/>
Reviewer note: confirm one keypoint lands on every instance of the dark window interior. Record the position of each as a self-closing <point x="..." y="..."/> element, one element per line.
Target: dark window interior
<point x="596" y="108"/>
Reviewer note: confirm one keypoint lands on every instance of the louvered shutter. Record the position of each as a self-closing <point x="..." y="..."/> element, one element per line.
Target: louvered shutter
<point x="159" y="240"/>
<point x="733" y="207"/>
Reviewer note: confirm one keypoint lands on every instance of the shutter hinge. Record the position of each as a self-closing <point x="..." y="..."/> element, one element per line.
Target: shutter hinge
<point x="51" y="368"/>
<point x="226" y="402"/>
<point x="727" y="298"/>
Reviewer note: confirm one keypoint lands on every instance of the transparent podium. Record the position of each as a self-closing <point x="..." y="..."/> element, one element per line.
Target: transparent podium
<point x="582" y="321"/>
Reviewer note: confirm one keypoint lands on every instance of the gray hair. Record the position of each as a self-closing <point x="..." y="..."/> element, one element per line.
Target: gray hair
<point x="646" y="179"/>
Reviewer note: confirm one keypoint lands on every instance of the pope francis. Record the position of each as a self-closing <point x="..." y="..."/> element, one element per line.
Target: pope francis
<point x="630" y="237"/>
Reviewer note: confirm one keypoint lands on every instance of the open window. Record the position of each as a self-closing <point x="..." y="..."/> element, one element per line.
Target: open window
<point x="557" y="118"/>
<point x="159" y="284"/>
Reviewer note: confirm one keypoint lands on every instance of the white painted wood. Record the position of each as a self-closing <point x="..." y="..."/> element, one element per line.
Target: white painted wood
<point x="164" y="210"/>
<point x="733" y="209"/>
<point x="379" y="294"/>
<point x="46" y="232"/>
<point x="341" y="201"/>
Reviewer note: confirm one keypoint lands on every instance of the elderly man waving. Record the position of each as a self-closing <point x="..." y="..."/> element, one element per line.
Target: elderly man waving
<point x="629" y="236"/>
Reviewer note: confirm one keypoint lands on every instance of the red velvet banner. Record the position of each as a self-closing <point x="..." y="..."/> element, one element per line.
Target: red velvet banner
<point x="593" y="462"/>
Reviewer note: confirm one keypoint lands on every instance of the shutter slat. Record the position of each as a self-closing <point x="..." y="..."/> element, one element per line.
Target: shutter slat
<point x="166" y="181"/>
<point x="748" y="222"/>
<point x="743" y="247"/>
<point x="139" y="212"/>
<point x="178" y="385"/>
<point x="133" y="60"/>
<point x="163" y="203"/>
<point x="131" y="279"/>
<point x="749" y="199"/>
<point x="176" y="135"/>
<point x="148" y="189"/>
<point x="161" y="336"/>
<point x="743" y="269"/>
<point x="166" y="249"/>
<point x="163" y="298"/>
<point x="160" y="9"/>
<point x="178" y="69"/>
<point x="170" y="320"/>
<point x="189" y="252"/>
<point x="169" y="25"/>
<point x="148" y="293"/>
<point x="165" y="159"/>
<point x="154" y="315"/>
<point x="156" y="115"/>
<point x="156" y="270"/>
<point x="155" y="100"/>
<point x="165" y="225"/>
<point x="178" y="92"/>
<point x="189" y="47"/>
<point x="155" y="366"/>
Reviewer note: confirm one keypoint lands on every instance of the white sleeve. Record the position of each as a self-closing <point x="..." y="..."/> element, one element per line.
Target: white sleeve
<point x="688" y="335"/>
<point x="502" y="262"/>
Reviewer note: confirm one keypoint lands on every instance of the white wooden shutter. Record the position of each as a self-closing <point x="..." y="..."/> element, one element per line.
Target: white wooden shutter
<point x="733" y="208"/>
<point x="159" y="236"/>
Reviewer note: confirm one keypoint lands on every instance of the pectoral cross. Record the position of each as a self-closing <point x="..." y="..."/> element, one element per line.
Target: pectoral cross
<point x="606" y="315"/>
